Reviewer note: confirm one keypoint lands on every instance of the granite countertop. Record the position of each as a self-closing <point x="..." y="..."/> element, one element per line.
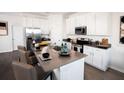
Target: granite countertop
<point x="95" y="46"/>
<point x="92" y="45"/>
<point x="57" y="60"/>
<point x="100" y="46"/>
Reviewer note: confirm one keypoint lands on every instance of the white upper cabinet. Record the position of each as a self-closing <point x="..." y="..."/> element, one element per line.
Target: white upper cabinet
<point x="45" y="28"/>
<point x="36" y="22"/>
<point x="75" y="21"/>
<point x="70" y="25"/>
<point x="28" y="22"/>
<point x="103" y="24"/>
<point x="90" y="23"/>
<point x="32" y="22"/>
<point x="72" y="30"/>
<point x="80" y="20"/>
<point x="97" y="23"/>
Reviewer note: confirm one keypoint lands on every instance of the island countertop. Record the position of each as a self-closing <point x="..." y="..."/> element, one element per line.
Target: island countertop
<point x="57" y="60"/>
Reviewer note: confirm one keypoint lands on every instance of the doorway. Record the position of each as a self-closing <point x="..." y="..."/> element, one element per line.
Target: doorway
<point x="18" y="36"/>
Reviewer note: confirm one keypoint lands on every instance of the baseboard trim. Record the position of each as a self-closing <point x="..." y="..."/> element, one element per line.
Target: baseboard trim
<point x="1" y="52"/>
<point x="117" y="69"/>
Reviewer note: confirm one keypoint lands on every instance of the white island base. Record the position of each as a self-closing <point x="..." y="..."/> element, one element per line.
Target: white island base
<point x="71" y="71"/>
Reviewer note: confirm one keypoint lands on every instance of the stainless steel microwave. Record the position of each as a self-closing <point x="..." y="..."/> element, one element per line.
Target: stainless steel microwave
<point x="81" y="30"/>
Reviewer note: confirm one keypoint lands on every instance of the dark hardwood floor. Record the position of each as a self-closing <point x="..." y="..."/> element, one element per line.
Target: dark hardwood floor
<point x="6" y="72"/>
<point x="91" y="73"/>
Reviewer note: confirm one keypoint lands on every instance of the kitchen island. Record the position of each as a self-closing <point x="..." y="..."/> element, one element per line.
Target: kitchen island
<point x="64" y="67"/>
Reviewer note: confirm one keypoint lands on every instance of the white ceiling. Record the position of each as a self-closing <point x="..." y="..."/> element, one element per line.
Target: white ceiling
<point x="48" y="13"/>
<point x="43" y="15"/>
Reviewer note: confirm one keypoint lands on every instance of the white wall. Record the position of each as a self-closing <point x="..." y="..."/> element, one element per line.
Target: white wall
<point x="54" y="23"/>
<point x="19" y="20"/>
<point x="117" y="54"/>
<point x="6" y="41"/>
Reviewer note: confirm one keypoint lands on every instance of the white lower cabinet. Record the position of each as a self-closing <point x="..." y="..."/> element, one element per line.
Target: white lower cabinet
<point x="88" y="51"/>
<point x="71" y="71"/>
<point x="97" y="57"/>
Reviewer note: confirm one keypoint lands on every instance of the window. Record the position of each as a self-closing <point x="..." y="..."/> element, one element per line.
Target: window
<point x="3" y="28"/>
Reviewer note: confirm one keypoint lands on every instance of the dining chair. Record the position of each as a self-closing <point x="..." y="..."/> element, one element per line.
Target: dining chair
<point x="24" y="71"/>
<point x="26" y="56"/>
